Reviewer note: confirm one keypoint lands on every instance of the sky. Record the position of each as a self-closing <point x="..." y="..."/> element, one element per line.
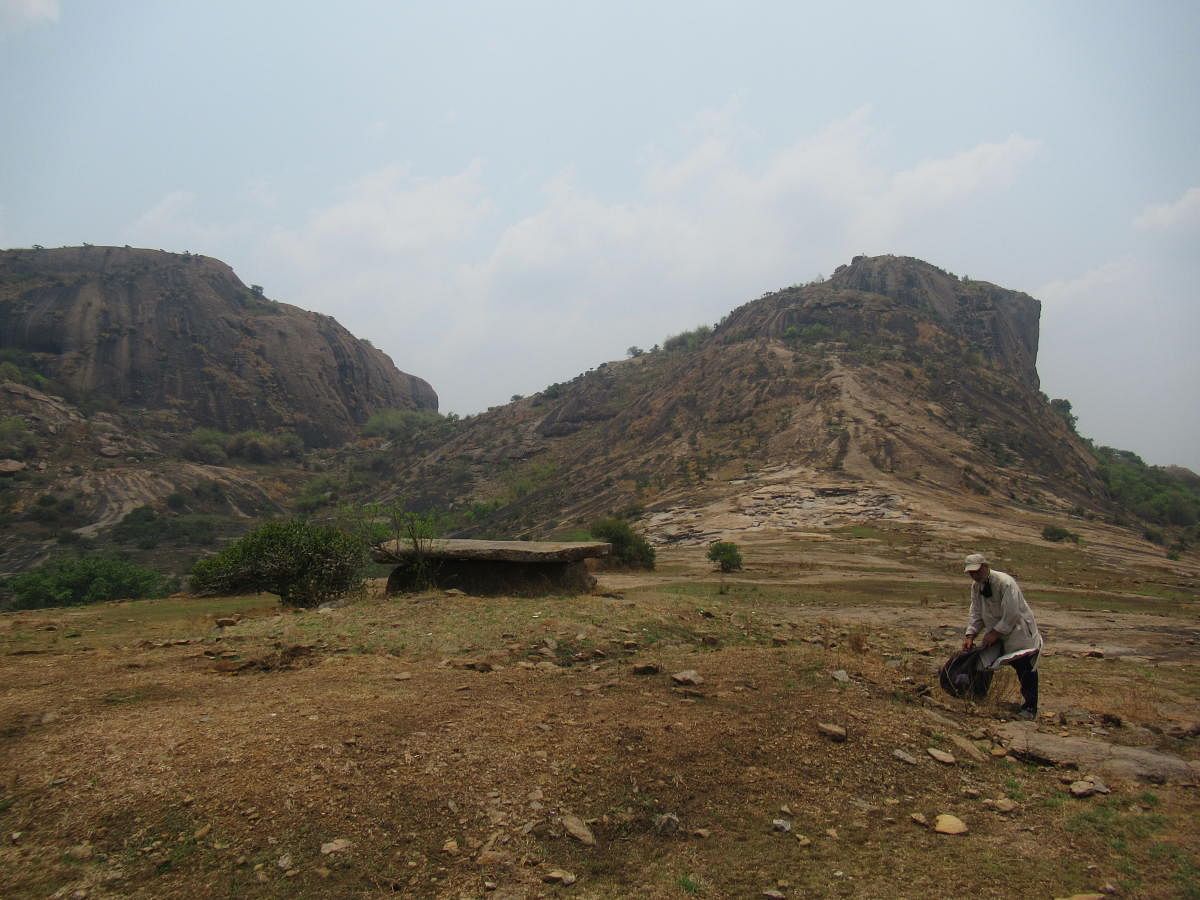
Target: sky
<point x="503" y="195"/>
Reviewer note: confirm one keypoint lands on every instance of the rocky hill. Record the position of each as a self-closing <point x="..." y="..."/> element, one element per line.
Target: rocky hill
<point x="891" y="390"/>
<point x="183" y="336"/>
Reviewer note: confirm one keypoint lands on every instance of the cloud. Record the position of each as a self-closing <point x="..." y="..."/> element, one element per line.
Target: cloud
<point x="16" y="14"/>
<point x="1181" y="212"/>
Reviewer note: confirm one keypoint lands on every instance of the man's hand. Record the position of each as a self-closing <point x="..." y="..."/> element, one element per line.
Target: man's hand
<point x="968" y="642"/>
<point x="990" y="638"/>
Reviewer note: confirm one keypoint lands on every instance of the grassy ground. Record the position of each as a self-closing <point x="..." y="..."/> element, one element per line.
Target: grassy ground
<point x="145" y="752"/>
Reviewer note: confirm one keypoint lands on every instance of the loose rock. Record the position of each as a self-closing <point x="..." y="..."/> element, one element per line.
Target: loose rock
<point x="941" y="755"/>
<point x="948" y="824"/>
<point x="559" y="876"/>
<point x="840" y="676"/>
<point x="647" y="669"/>
<point x="835" y="733"/>
<point x="337" y="845"/>
<point x="687" y="676"/>
<point x="904" y="757"/>
<point x="578" y="829"/>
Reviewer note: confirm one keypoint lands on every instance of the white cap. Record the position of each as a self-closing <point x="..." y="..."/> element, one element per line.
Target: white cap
<point x="975" y="561"/>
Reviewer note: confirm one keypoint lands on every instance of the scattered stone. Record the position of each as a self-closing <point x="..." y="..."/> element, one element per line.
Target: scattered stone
<point x="904" y="757"/>
<point x="1094" y="653"/>
<point x="647" y="669"/>
<point x="81" y="852"/>
<point x="578" y="829"/>
<point x="785" y="809"/>
<point x="835" y="733"/>
<point x="1005" y="805"/>
<point x="202" y="832"/>
<point x="284" y="862"/>
<point x="831" y="833"/>
<point x="1085" y="787"/>
<point x="337" y="845"/>
<point x="774" y="894"/>
<point x="687" y="676"/>
<point x="701" y="833"/>
<point x="920" y="820"/>
<point x="803" y="840"/>
<point x="840" y="676"/>
<point x="227" y="621"/>
<point x="667" y="823"/>
<point x="999" y="752"/>
<point x="322" y="872"/>
<point x="941" y="755"/>
<point x="972" y="793"/>
<point x="779" y="641"/>
<point x="948" y="824"/>
<point x="781" y="825"/>
<point x="50" y="716"/>
<point x="968" y="748"/>
<point x="450" y="845"/>
<point x="559" y="876"/>
<point x="454" y="592"/>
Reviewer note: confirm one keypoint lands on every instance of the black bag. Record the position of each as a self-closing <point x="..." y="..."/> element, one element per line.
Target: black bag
<point x="966" y="675"/>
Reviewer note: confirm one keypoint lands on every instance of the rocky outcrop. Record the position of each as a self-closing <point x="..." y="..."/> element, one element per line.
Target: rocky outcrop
<point x="181" y="333"/>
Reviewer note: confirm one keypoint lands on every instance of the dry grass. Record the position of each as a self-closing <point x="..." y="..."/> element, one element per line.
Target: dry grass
<point x="183" y="778"/>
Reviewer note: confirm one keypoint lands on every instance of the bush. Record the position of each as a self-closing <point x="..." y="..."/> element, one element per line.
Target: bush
<point x="1056" y="533"/>
<point x="629" y="548"/>
<point x="406" y="425"/>
<point x="687" y="341"/>
<point x="256" y="447"/>
<point x="725" y="555"/>
<point x="304" y="564"/>
<point x="85" y="579"/>
<point x="16" y="440"/>
<point x="206" y="445"/>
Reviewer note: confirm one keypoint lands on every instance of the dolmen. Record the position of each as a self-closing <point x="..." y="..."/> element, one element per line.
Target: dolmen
<point x="526" y="568"/>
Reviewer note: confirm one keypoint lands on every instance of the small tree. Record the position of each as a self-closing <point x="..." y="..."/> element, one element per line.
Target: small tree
<point x="629" y="548"/>
<point x="725" y="555"/>
<point x="305" y="564"/>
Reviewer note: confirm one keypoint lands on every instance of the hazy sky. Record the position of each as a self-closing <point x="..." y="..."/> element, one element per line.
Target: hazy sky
<point x="501" y="195"/>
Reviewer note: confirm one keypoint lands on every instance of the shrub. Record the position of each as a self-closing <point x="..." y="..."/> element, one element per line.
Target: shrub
<point x="85" y="579"/>
<point x="303" y="563"/>
<point x="1057" y="533"/>
<point x="406" y="425"/>
<point x="256" y="447"/>
<point x="16" y="440"/>
<point x="725" y="555"/>
<point x="629" y="548"/>
<point x="206" y="445"/>
<point x="687" y="341"/>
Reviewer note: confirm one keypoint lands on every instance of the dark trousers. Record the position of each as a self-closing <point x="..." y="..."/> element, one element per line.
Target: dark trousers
<point x="1028" y="676"/>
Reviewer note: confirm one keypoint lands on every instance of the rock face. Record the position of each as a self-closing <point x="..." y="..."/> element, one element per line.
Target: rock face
<point x="181" y="333"/>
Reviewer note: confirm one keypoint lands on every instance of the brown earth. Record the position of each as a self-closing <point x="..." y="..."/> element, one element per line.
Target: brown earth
<point x="449" y="739"/>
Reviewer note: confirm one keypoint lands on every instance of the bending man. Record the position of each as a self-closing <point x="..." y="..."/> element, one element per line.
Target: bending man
<point x="1010" y="634"/>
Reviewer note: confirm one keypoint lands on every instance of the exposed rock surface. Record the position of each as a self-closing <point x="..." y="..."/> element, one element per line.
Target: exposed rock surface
<point x="1113" y="759"/>
<point x="181" y="333"/>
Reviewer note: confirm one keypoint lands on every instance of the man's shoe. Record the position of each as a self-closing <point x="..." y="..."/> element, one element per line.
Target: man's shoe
<point x="1027" y="714"/>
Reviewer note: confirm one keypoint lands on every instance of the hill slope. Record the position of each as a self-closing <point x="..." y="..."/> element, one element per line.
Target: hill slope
<point x="891" y="390"/>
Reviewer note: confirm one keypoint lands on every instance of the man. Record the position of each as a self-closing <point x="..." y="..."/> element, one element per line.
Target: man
<point x="1011" y="635"/>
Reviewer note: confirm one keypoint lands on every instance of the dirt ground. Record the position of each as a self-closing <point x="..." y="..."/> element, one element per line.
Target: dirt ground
<point x="439" y="745"/>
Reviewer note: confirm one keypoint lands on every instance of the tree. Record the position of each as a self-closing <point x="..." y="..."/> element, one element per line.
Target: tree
<point x="303" y="563"/>
<point x="634" y="352"/>
<point x="725" y="555"/>
<point x="1063" y="408"/>
<point x="256" y="290"/>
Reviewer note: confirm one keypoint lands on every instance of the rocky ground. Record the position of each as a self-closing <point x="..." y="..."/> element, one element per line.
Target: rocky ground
<point x="777" y="732"/>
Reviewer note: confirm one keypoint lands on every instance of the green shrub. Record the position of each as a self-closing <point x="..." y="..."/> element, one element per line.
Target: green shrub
<point x="206" y="445"/>
<point x="318" y="492"/>
<point x="686" y="341"/>
<point x="1057" y="533"/>
<point x="256" y="447"/>
<point x="85" y="579"/>
<point x="303" y="563"/>
<point x="16" y="440"/>
<point x="629" y="548"/>
<point x="406" y="425"/>
<point x="725" y="555"/>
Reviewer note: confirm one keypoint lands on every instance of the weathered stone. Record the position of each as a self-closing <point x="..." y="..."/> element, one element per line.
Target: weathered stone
<point x="687" y="676"/>
<point x="647" y="669"/>
<point x="840" y="676"/>
<point x="1005" y="805"/>
<point x="904" y="757"/>
<point x="919" y="819"/>
<point x="492" y="551"/>
<point x="835" y="733"/>
<point x="782" y="825"/>
<point x="579" y="830"/>
<point x="941" y="756"/>
<point x="667" y="823"/>
<point x="948" y="824"/>
<point x="1117" y="760"/>
<point x="11" y="466"/>
<point x="559" y="876"/>
<point x="337" y="845"/>
<point x="967" y="748"/>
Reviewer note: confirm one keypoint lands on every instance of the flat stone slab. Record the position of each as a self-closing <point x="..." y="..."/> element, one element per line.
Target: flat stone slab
<point x="492" y="551"/>
<point x="1139" y="763"/>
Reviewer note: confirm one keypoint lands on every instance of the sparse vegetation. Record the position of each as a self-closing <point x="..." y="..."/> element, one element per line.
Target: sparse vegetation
<point x="1156" y="494"/>
<point x="16" y="440"/>
<point x="1057" y="533"/>
<point x="687" y="341"/>
<point x="303" y="563"/>
<point x="80" y="580"/>
<point x="630" y="549"/>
